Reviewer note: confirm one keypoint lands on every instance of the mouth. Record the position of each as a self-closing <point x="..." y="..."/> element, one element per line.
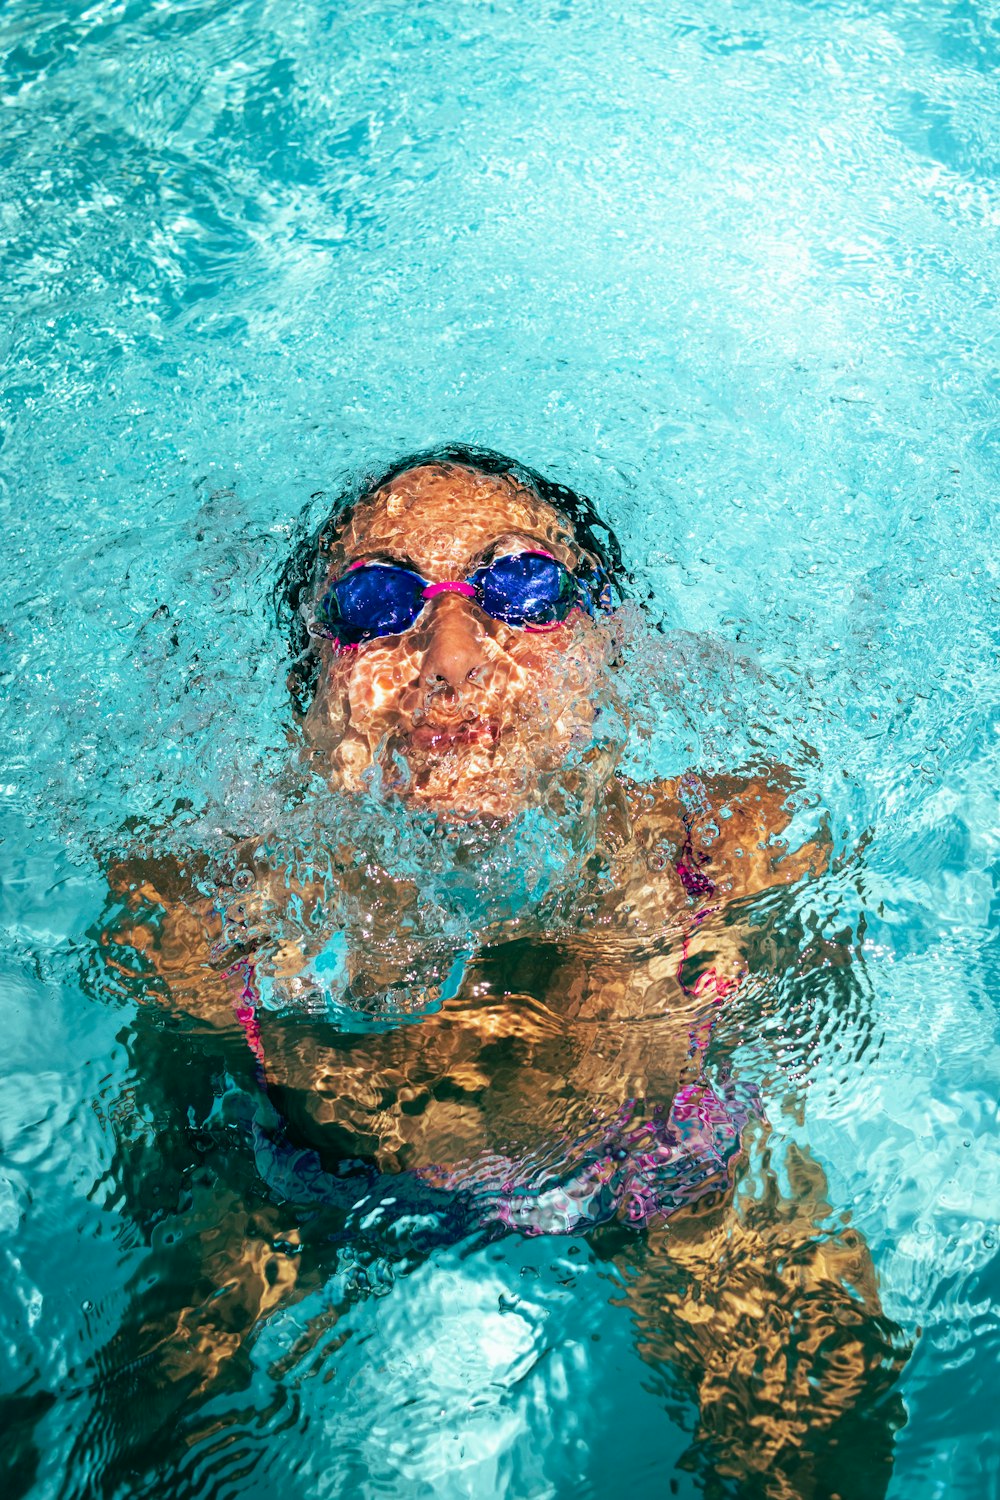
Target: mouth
<point x="438" y="738"/>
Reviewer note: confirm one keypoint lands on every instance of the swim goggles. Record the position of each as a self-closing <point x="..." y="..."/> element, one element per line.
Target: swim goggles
<point x="530" y="590"/>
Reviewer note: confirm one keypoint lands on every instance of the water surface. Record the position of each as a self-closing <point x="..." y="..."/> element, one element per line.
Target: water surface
<point x="732" y="275"/>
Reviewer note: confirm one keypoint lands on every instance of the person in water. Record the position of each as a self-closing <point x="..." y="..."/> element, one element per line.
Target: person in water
<point x="454" y="635"/>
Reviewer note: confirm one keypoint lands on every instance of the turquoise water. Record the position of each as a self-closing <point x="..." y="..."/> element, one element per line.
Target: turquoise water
<point x="733" y="275"/>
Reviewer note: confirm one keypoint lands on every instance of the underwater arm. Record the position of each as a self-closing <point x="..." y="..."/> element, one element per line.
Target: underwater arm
<point x="768" y="1308"/>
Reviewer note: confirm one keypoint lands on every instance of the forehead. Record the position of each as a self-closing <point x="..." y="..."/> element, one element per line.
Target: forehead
<point x="442" y="516"/>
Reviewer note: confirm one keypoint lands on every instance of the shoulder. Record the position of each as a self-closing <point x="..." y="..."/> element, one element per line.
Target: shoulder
<point x="162" y="935"/>
<point x="724" y="832"/>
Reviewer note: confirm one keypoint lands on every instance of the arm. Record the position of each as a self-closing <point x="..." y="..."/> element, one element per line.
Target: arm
<point x="768" y="1308"/>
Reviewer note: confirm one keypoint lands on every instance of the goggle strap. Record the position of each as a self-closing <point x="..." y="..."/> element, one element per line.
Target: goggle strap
<point x="454" y="587"/>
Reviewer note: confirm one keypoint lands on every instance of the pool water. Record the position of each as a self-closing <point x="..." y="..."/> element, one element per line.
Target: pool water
<point x="732" y="274"/>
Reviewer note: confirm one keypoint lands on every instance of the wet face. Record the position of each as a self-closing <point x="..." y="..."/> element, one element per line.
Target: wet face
<point x="468" y="710"/>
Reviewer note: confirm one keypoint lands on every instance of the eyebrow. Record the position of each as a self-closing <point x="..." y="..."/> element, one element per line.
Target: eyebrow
<point x="385" y="555"/>
<point x="537" y="543"/>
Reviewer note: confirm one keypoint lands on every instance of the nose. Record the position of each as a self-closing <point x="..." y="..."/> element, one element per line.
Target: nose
<point x="455" y="654"/>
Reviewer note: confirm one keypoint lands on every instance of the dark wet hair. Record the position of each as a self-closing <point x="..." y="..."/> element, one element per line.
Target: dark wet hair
<point x="298" y="576"/>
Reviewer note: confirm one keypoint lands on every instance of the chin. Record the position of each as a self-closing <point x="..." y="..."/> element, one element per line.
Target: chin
<point x="468" y="799"/>
<point x="467" y="778"/>
<point x="462" y="775"/>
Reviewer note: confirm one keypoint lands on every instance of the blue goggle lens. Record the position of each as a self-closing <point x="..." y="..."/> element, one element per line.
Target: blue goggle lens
<point x="525" y="589"/>
<point x="378" y="599"/>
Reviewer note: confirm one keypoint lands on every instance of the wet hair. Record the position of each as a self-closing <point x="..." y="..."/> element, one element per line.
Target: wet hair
<point x="298" y="576"/>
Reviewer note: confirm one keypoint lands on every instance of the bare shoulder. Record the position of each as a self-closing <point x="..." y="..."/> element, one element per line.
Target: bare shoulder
<point x="180" y="933"/>
<point x="161" y="935"/>
<point x="724" y="831"/>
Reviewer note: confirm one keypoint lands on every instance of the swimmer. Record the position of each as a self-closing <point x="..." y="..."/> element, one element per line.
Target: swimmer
<point x="455" y="638"/>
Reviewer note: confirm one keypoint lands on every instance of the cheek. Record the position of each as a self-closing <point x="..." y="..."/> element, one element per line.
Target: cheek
<point x="376" y="678"/>
<point x="569" y="658"/>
